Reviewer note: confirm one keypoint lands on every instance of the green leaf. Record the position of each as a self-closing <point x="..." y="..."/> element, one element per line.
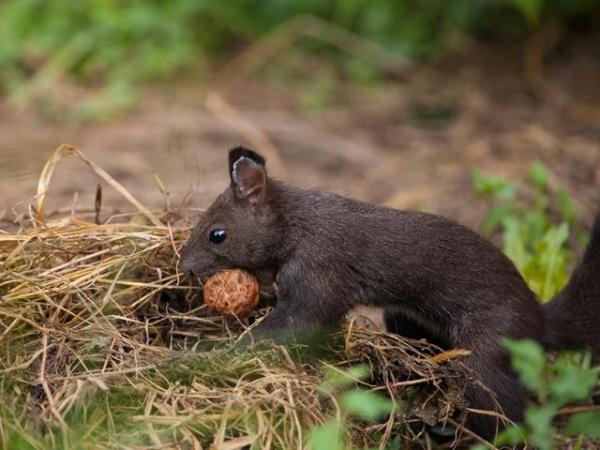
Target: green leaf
<point x="539" y="421"/>
<point x="556" y="237"/>
<point x="587" y="422"/>
<point x="489" y="186"/>
<point x="479" y="447"/>
<point x="367" y="405"/>
<point x="537" y="173"/>
<point x="572" y="383"/>
<point x="579" y="442"/>
<point x="528" y="360"/>
<point x="496" y="216"/>
<point x="337" y="379"/>
<point x="553" y="259"/>
<point x="513" y="435"/>
<point x="514" y="245"/>
<point x="326" y="437"/>
<point x="565" y="203"/>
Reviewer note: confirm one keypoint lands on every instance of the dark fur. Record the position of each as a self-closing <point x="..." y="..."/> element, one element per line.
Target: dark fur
<point x="434" y="277"/>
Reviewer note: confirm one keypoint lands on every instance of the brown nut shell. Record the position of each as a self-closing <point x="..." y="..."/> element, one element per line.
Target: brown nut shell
<point x="232" y="292"/>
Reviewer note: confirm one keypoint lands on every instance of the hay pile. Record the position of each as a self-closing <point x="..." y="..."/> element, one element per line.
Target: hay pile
<point x="104" y="344"/>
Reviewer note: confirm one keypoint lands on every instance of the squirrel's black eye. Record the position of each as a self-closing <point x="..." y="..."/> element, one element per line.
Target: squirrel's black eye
<point x="217" y="236"/>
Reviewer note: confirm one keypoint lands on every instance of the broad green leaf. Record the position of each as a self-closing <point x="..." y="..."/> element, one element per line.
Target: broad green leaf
<point x="537" y="173"/>
<point x="496" y="215"/>
<point x="578" y="442"/>
<point x="489" y="186"/>
<point x="572" y="383"/>
<point x="479" y="447"/>
<point x="367" y="405"/>
<point x="553" y="260"/>
<point x="536" y="219"/>
<point x="514" y="246"/>
<point x="326" y="437"/>
<point x="512" y="435"/>
<point x="556" y="237"/>
<point x="587" y="422"/>
<point x="565" y="203"/>
<point x="336" y="379"/>
<point x="539" y="421"/>
<point x="480" y="182"/>
<point x="528" y="359"/>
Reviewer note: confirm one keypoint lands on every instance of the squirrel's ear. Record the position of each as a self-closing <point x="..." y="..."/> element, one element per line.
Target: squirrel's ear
<point x="242" y="152"/>
<point x="248" y="176"/>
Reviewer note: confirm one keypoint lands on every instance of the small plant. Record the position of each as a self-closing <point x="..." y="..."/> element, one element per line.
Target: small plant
<point x="364" y="404"/>
<point x="553" y="386"/>
<point x="538" y="247"/>
<point x="540" y="250"/>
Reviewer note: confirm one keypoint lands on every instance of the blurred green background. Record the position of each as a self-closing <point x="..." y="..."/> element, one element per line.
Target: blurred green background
<point x="116" y="44"/>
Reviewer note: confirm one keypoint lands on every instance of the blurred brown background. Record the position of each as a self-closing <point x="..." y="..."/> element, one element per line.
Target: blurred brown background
<point x="332" y="102"/>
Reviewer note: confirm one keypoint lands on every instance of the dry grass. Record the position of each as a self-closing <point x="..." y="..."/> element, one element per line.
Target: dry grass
<point x="103" y="344"/>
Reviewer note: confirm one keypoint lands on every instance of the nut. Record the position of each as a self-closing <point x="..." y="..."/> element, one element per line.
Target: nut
<point x="232" y="292"/>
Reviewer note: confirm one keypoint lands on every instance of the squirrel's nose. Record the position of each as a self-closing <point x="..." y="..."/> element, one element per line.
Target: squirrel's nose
<point x="187" y="265"/>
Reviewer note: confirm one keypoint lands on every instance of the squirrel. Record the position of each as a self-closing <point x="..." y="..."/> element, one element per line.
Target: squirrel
<point x="434" y="277"/>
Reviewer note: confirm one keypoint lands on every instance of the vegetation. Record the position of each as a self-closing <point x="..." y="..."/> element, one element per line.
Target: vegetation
<point x="113" y="45"/>
<point x="365" y="404"/>
<point x="531" y="239"/>
<point x="569" y="379"/>
<point x="541" y="251"/>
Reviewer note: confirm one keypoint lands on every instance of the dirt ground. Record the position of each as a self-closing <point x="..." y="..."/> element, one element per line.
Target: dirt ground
<point x="409" y="142"/>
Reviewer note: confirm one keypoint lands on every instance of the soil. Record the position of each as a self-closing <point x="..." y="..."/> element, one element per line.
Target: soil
<point x="408" y="142"/>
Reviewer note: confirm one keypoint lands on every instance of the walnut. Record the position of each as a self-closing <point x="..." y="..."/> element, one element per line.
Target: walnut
<point x="232" y="292"/>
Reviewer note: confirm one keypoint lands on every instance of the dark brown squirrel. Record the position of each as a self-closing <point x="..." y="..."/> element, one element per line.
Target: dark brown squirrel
<point x="434" y="277"/>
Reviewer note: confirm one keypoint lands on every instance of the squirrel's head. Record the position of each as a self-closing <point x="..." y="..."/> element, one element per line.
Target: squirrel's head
<point x="239" y="230"/>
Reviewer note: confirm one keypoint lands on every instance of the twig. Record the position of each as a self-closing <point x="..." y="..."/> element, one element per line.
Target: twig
<point x="43" y="381"/>
<point x="461" y="427"/>
<point x="68" y="150"/>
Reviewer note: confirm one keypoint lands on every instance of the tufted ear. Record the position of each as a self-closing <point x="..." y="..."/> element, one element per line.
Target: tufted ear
<point x="248" y="176"/>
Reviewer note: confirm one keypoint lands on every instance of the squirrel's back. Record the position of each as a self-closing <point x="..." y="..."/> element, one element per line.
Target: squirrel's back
<point x="458" y="259"/>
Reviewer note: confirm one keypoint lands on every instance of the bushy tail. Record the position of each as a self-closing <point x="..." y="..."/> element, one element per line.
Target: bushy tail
<point x="573" y="316"/>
